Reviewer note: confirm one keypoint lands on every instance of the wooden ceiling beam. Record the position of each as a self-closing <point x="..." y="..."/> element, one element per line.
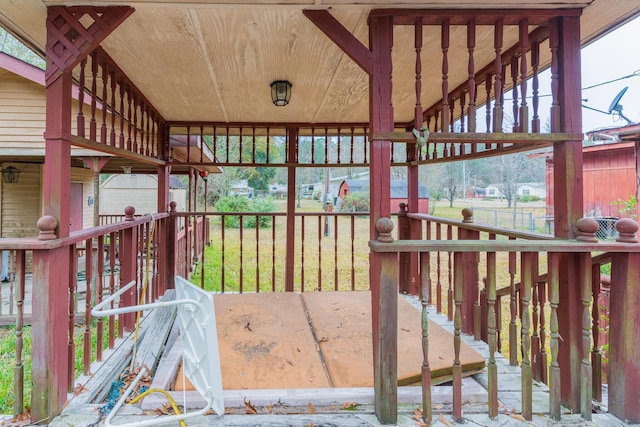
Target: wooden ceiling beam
<point x="346" y="41"/>
<point x="481" y="16"/>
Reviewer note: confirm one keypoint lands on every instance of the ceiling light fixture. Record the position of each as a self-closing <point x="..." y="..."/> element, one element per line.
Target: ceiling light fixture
<point x="281" y="92"/>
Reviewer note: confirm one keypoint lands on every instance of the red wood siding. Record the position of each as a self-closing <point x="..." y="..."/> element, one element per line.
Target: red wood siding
<point x="609" y="175"/>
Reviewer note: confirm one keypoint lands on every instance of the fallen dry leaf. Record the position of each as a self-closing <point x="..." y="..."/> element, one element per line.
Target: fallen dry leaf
<point x="443" y="420"/>
<point x="518" y="417"/>
<point x="312" y="409"/>
<point x="250" y="409"/>
<point x="350" y="406"/>
<point x="79" y="388"/>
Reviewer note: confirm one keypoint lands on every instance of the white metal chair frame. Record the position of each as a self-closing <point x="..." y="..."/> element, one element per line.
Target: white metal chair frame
<point x="200" y="356"/>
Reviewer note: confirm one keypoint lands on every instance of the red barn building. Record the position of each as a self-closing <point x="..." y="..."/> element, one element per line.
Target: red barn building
<point x="398" y="192"/>
<point x="610" y="173"/>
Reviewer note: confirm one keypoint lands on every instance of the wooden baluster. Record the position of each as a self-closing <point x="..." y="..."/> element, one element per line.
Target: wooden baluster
<point x="492" y="368"/>
<point x="99" y="294"/>
<point x="146" y="129"/>
<point x="365" y="145"/>
<point x="105" y="103"/>
<point x="554" y="369"/>
<point x="135" y="122"/>
<point x="302" y="245"/>
<point x="122" y="116"/>
<point x="253" y="144"/>
<point x="487" y="87"/>
<point x="222" y="245"/>
<point x="524" y="47"/>
<point x="73" y="285"/>
<point x="436" y="128"/>
<point x="425" y="268"/>
<point x="537" y="312"/>
<point x="273" y="253"/>
<point x="542" y="301"/>
<point x="130" y="124"/>
<point x="526" y="282"/>
<point x="353" y="260"/>
<point x="241" y="272"/>
<point x="81" y="89"/>
<point x="313" y="146"/>
<point x="497" y="91"/>
<point x="351" y="146"/>
<point x="257" y="253"/>
<point x="463" y="97"/>
<point x="153" y="136"/>
<point x="535" y="83"/>
<point x="450" y="271"/>
<point x="112" y="285"/>
<point x="554" y="46"/>
<point x="87" y="309"/>
<point x="18" y="369"/>
<point x="112" y="133"/>
<point x="319" y="287"/>
<point x="445" y="74"/>
<point x="417" y="116"/>
<point x="226" y="144"/>
<point x="338" y="145"/>
<point x="499" y="323"/>
<point x="471" y="80"/>
<point x="268" y="159"/>
<point x="513" y="328"/>
<point x="202" y="148"/>
<point x="514" y="92"/>
<point x="335" y="252"/>
<point x="94" y="96"/>
<point x="586" y="384"/>
<point x="457" y="325"/>
<point x="240" y="150"/>
<point x="326" y="146"/>
<point x="596" y="352"/>
<point x="189" y="145"/>
<point x="438" y="271"/>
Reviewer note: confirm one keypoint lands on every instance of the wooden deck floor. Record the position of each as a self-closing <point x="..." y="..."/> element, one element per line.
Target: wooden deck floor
<point x="324" y="406"/>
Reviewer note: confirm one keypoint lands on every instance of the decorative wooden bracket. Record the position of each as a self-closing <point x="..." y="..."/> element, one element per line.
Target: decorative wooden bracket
<point x="73" y="32"/>
<point x="341" y="37"/>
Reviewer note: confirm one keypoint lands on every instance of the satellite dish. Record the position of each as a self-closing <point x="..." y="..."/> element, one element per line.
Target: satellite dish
<point x="615" y="104"/>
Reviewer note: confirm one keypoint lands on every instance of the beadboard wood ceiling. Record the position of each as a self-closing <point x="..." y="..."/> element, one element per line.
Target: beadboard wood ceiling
<point x="202" y="60"/>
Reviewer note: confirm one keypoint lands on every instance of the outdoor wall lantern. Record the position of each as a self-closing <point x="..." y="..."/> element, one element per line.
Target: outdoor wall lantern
<point x="10" y="174"/>
<point x="281" y="92"/>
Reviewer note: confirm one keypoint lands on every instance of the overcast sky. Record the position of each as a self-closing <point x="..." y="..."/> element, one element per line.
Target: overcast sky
<point x="614" y="56"/>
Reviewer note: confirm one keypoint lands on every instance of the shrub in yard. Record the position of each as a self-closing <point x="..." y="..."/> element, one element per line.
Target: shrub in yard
<point x="356" y="202"/>
<point x="244" y="204"/>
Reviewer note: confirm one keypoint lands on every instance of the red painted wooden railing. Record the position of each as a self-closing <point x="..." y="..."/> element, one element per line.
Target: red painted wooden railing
<point x="102" y="259"/>
<point x="532" y="292"/>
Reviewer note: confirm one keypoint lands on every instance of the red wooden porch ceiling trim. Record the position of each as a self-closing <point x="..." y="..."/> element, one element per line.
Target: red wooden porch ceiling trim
<point x="73" y="32"/>
<point x="341" y="37"/>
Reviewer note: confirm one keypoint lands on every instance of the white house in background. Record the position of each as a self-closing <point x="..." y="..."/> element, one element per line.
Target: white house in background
<point x="534" y="189"/>
<point x="140" y="191"/>
<point x="241" y="188"/>
<point x="278" y="190"/>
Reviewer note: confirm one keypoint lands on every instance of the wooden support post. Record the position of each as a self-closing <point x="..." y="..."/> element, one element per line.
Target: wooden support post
<point x="50" y="370"/>
<point x="292" y="139"/>
<point x="384" y="307"/>
<point x="624" y="334"/>
<point x="470" y="285"/>
<point x="567" y="159"/>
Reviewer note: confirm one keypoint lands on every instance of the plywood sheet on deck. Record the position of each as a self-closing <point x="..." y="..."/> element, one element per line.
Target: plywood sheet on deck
<point x="265" y="342"/>
<point x="342" y="325"/>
